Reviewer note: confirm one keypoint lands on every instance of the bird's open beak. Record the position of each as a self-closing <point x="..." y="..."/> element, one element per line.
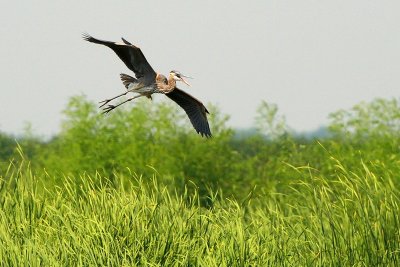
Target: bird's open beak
<point x="183" y="80"/>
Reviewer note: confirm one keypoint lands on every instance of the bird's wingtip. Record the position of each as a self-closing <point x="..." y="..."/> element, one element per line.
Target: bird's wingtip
<point x="86" y="36"/>
<point x="125" y="41"/>
<point x="205" y="134"/>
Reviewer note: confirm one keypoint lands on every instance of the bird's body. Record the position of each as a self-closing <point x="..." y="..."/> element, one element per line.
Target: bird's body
<point x="133" y="85"/>
<point x="148" y="82"/>
<point x="161" y="85"/>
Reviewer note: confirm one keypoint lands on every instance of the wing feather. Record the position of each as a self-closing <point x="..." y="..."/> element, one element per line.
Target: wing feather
<point x="130" y="54"/>
<point x="195" y="110"/>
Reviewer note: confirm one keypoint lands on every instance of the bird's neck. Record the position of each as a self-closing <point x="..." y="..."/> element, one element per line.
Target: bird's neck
<point x="169" y="86"/>
<point x="171" y="83"/>
<point x="165" y="85"/>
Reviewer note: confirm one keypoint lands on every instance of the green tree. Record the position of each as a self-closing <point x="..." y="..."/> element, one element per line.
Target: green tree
<point x="380" y="117"/>
<point x="7" y="145"/>
<point x="269" y="122"/>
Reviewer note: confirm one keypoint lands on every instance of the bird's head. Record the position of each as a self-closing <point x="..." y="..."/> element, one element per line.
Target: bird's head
<point x="177" y="76"/>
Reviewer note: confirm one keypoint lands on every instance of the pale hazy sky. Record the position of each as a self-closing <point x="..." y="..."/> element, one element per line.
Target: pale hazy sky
<point x="309" y="57"/>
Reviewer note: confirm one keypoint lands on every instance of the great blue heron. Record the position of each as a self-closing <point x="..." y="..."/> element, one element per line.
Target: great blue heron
<point x="148" y="82"/>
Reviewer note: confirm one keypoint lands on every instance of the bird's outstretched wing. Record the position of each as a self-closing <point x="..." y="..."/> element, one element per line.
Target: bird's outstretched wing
<point x="130" y="54"/>
<point x="195" y="110"/>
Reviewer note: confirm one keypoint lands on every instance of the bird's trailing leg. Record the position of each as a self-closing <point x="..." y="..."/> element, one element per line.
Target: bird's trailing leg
<point x="111" y="107"/>
<point x="104" y="102"/>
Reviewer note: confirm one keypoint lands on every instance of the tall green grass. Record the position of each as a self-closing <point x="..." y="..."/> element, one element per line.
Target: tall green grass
<point x="345" y="219"/>
<point x="79" y="204"/>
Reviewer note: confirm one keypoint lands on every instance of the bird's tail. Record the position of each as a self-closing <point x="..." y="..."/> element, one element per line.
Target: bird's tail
<point x="128" y="81"/>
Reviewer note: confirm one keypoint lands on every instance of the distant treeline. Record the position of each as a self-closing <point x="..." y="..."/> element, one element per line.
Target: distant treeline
<point x="148" y="138"/>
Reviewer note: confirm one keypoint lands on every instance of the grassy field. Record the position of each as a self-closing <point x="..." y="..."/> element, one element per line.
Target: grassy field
<point x="346" y="220"/>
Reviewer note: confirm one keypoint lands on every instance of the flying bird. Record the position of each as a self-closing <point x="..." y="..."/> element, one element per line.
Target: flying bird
<point x="148" y="82"/>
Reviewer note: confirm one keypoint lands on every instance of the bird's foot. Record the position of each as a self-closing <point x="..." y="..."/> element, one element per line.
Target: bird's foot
<point x="108" y="108"/>
<point x="104" y="102"/>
